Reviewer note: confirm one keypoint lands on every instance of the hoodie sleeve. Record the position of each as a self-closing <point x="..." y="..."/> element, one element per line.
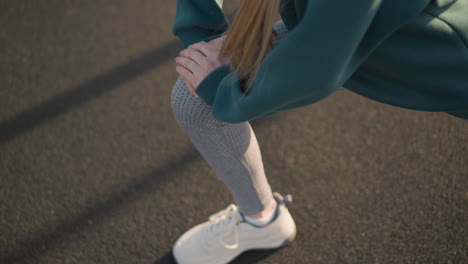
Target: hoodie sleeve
<point x="199" y="20"/>
<point x="309" y="64"/>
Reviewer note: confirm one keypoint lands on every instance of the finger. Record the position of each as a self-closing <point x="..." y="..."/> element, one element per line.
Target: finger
<point x="187" y="63"/>
<point x="200" y="69"/>
<point x="192" y="90"/>
<point x="188" y="78"/>
<point x="193" y="54"/>
<point x="208" y="50"/>
<point x="186" y="74"/>
<point x="196" y="56"/>
<point x="212" y="53"/>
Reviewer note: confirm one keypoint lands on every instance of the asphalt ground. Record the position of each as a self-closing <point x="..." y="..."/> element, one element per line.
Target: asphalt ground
<point x="94" y="168"/>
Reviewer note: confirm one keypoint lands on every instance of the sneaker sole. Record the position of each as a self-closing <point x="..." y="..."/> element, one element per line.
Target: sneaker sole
<point x="285" y="243"/>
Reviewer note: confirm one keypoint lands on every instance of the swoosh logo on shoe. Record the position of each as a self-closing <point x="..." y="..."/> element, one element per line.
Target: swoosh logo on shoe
<point x="232" y="246"/>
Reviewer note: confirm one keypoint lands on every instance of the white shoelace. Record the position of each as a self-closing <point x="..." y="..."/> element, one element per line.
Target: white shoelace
<point x="224" y="222"/>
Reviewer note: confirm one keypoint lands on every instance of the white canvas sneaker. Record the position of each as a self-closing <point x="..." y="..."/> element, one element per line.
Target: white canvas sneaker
<point x="226" y="235"/>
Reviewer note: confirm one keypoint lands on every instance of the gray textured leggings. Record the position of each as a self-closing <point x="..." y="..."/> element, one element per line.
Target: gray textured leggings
<point x="230" y="149"/>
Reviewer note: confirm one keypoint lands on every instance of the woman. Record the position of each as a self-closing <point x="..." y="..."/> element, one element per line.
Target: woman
<point x="410" y="54"/>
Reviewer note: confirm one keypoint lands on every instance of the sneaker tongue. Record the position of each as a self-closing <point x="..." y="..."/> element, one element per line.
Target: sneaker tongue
<point x="224" y="220"/>
<point x="223" y="213"/>
<point x="237" y="215"/>
<point x="233" y="216"/>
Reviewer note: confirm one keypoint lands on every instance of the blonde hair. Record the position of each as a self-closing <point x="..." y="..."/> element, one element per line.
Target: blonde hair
<point x="249" y="39"/>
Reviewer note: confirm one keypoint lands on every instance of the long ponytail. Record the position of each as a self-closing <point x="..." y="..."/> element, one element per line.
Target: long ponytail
<point x="249" y="38"/>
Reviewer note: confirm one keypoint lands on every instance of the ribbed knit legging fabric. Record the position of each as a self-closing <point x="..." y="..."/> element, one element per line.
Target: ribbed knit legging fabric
<point x="231" y="149"/>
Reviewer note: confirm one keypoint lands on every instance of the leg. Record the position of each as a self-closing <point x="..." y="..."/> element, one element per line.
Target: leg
<point x="230" y="149"/>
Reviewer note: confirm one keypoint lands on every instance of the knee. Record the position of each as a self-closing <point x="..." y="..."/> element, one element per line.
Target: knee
<point x="191" y="112"/>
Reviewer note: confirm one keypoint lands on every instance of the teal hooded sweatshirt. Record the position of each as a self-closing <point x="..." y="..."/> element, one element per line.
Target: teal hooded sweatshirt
<point x="407" y="53"/>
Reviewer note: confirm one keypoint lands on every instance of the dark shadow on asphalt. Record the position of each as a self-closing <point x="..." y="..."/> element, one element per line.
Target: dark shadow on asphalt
<point x="140" y="187"/>
<point x="253" y="256"/>
<point x="74" y="98"/>
<point x="168" y="258"/>
<point x="92" y="89"/>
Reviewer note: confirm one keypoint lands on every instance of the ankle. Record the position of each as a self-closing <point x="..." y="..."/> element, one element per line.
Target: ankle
<point x="269" y="209"/>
